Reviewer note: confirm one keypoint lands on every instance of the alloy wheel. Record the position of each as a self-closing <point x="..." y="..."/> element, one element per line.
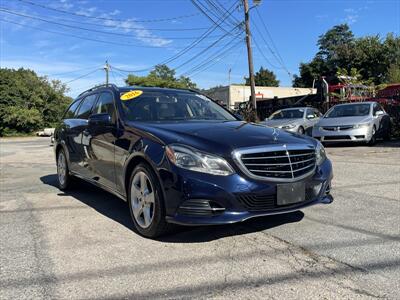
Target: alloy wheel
<point x="61" y="168"/>
<point x="142" y="199"/>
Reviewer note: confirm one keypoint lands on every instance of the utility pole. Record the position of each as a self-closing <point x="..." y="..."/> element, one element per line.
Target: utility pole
<point x="107" y="69"/>
<point x="250" y="61"/>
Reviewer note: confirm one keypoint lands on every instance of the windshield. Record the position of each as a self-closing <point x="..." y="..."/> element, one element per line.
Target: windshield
<point x="172" y="106"/>
<point x="287" y="114"/>
<point x="354" y="110"/>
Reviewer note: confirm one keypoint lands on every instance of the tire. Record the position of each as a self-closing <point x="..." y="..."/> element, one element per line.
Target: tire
<point x="300" y="130"/>
<point x="63" y="175"/>
<point x="387" y="134"/>
<point x="146" y="203"/>
<point x="372" y="141"/>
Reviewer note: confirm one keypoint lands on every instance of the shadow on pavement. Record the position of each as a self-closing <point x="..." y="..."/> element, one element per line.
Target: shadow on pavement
<point x="117" y="210"/>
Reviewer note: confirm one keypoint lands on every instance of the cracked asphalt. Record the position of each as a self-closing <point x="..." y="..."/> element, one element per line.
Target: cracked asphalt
<point x="80" y="244"/>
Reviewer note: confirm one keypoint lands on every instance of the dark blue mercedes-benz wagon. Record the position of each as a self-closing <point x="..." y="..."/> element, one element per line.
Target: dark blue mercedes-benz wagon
<point x="178" y="157"/>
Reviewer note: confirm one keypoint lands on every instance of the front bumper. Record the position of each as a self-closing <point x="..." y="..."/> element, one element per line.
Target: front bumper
<point x="349" y="135"/>
<point x="227" y="194"/>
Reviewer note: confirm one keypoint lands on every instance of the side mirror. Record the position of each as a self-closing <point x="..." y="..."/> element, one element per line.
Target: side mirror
<point x="100" y="120"/>
<point x="310" y="117"/>
<point x="379" y="113"/>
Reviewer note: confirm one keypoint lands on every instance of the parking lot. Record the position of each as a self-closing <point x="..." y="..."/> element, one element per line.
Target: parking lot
<point x="81" y="244"/>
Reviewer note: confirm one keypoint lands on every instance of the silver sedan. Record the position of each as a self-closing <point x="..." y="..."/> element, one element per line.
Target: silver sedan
<point x="353" y="122"/>
<point x="294" y="119"/>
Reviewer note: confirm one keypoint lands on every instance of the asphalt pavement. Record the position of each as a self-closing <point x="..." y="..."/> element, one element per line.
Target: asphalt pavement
<point x="81" y="244"/>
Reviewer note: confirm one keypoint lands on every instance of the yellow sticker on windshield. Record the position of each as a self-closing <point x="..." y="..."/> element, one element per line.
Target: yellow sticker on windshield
<point x="131" y="94"/>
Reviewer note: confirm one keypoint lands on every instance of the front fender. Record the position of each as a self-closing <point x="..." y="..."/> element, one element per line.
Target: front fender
<point x="148" y="151"/>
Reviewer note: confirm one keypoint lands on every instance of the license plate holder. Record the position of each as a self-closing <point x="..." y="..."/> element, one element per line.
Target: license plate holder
<point x="291" y="193"/>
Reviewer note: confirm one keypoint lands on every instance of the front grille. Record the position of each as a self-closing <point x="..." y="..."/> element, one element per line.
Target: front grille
<point x="282" y="164"/>
<point x="338" y="128"/>
<point x="337" y="137"/>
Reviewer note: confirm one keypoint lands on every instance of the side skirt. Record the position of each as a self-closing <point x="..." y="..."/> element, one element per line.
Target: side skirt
<point x="99" y="185"/>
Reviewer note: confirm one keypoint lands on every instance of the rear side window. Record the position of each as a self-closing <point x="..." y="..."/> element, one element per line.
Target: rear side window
<point x="105" y="104"/>
<point x="70" y="113"/>
<point x="86" y="107"/>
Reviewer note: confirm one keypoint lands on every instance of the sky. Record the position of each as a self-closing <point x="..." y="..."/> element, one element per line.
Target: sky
<point x="135" y="35"/>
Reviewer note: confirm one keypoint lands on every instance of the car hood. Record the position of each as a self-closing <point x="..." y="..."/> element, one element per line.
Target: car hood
<point x="282" y="122"/>
<point x="220" y="137"/>
<point x="343" y="121"/>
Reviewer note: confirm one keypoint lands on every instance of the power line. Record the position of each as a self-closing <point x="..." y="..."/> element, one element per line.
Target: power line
<point x="216" y="60"/>
<point x="237" y="59"/>
<point x="107" y="19"/>
<point x="83" y="38"/>
<point x="216" y="12"/>
<point x="202" y="52"/>
<point x="210" y="18"/>
<point x="82" y="76"/>
<point x="277" y="55"/>
<point x="211" y="56"/>
<point x="221" y="10"/>
<point x="229" y="12"/>
<point x="263" y="55"/>
<point x="87" y="29"/>
<point x="75" y="71"/>
<point x="126" y="26"/>
<point x="210" y="61"/>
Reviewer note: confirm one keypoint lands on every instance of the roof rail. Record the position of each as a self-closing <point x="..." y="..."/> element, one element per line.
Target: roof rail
<point x="97" y="87"/>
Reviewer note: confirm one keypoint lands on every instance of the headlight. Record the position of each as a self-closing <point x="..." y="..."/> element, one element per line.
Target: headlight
<point x="363" y="125"/>
<point x="194" y="160"/>
<point x="320" y="153"/>
<point x="290" y="126"/>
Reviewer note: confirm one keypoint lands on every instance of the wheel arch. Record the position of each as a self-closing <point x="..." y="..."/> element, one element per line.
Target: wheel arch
<point x="134" y="161"/>
<point x="63" y="146"/>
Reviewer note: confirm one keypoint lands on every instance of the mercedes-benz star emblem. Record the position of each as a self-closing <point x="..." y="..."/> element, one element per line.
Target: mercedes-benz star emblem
<point x="275" y="134"/>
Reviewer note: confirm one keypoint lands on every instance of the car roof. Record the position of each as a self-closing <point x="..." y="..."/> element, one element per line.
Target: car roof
<point x="152" y="89"/>
<point x="129" y="88"/>
<point x="303" y="107"/>
<point x="355" y="103"/>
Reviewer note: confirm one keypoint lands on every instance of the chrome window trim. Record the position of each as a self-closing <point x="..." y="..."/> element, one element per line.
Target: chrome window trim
<point x="237" y="154"/>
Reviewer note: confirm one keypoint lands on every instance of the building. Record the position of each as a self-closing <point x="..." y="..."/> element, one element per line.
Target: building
<point x="234" y="94"/>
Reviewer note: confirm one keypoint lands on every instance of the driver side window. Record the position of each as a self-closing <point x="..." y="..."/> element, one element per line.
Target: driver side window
<point x="105" y="104"/>
<point x="376" y="108"/>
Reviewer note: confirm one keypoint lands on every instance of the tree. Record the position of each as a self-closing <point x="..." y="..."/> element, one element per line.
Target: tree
<point x="372" y="56"/>
<point x="161" y="76"/>
<point x="264" y="77"/>
<point x="29" y="102"/>
<point x="393" y="75"/>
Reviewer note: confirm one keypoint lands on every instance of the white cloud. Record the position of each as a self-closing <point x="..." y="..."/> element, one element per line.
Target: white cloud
<point x="139" y="32"/>
<point x="115" y="12"/>
<point x="88" y="12"/>
<point x="353" y="14"/>
<point x="351" y="18"/>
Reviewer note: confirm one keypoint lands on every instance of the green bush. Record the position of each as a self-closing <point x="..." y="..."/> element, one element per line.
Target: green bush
<point x="29" y="102"/>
